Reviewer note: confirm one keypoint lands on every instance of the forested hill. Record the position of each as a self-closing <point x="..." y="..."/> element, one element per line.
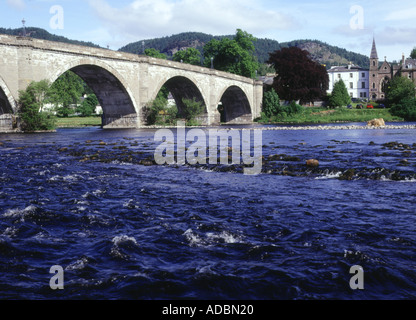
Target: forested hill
<point x="42" y="34"/>
<point x="320" y="51"/>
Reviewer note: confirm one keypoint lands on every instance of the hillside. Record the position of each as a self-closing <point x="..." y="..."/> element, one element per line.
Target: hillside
<point x="42" y="34"/>
<point x="320" y="51"/>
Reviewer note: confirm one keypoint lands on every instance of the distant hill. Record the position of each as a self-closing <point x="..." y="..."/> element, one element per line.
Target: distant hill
<point x="42" y="34"/>
<point x="320" y="51"/>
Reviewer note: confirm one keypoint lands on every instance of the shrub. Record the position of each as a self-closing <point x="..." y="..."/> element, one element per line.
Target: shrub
<point x="294" y="108"/>
<point x="192" y="108"/>
<point x="406" y="109"/>
<point x="87" y="107"/>
<point x="271" y="103"/>
<point x="159" y="113"/>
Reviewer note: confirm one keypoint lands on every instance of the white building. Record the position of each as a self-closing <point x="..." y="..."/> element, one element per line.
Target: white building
<point x="356" y="80"/>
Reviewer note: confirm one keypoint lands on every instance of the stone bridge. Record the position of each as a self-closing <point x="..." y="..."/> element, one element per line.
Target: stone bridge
<point x="123" y="83"/>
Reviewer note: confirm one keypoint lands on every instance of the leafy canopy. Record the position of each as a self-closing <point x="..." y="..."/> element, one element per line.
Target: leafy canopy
<point x="31" y="103"/>
<point x="339" y="96"/>
<point x="298" y="77"/>
<point x="400" y="95"/>
<point x="413" y="53"/>
<point x="190" y="55"/>
<point x="233" y="55"/>
<point x="398" y="89"/>
<point x="271" y="103"/>
<point x="67" y="90"/>
<point x="405" y="109"/>
<point x="88" y="105"/>
<point x="155" y="53"/>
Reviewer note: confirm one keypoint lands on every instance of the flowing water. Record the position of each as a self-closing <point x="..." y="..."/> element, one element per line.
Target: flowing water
<point x="93" y="202"/>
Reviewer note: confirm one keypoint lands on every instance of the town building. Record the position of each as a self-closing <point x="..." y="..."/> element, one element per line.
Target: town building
<point x="354" y="77"/>
<point x="381" y="75"/>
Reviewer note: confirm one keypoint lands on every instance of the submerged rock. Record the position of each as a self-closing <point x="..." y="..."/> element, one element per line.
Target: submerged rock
<point x="348" y="175"/>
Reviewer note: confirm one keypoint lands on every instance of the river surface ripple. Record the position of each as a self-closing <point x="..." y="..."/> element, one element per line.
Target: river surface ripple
<point x="122" y="228"/>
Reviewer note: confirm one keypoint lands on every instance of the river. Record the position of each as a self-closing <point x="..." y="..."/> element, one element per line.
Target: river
<point x="92" y="202"/>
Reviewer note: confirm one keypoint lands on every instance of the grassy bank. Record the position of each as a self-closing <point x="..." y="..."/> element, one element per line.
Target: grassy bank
<point x="308" y="115"/>
<point x="323" y="115"/>
<point x="76" y="122"/>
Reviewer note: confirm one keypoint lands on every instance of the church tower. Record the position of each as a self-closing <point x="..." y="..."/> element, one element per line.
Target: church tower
<point x="373" y="71"/>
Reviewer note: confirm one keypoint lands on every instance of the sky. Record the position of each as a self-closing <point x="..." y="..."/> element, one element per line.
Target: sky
<point x="346" y="24"/>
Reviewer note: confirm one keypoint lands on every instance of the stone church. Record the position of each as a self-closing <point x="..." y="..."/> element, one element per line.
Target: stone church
<point x="380" y="75"/>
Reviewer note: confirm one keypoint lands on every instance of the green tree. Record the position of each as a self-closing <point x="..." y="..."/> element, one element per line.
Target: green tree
<point x="405" y="109"/>
<point x="88" y="105"/>
<point x="192" y="108"/>
<point x="41" y="91"/>
<point x="398" y="89"/>
<point x="413" y="53"/>
<point x="271" y="103"/>
<point x="151" y="52"/>
<point x="30" y="106"/>
<point x="339" y="96"/>
<point x="233" y="55"/>
<point x="66" y="91"/>
<point x="190" y="55"/>
<point x="158" y="112"/>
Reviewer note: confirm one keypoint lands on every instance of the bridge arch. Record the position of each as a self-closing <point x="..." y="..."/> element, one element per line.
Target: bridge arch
<point x="111" y="90"/>
<point x="182" y="87"/>
<point x="8" y="104"/>
<point x="234" y="105"/>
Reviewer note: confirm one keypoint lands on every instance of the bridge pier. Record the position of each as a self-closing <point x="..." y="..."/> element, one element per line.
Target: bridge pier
<point x="9" y="123"/>
<point x="119" y="121"/>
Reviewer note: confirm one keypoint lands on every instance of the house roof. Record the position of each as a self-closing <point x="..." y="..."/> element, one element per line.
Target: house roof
<point x="350" y="68"/>
<point x="410" y="64"/>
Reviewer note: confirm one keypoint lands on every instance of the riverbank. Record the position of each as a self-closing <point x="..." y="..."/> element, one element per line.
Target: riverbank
<point x="313" y="115"/>
<point x="338" y="127"/>
<point x="78" y="122"/>
<point x="309" y="116"/>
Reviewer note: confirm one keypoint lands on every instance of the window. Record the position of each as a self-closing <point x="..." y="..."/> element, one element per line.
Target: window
<point x="362" y="85"/>
<point x="361" y="94"/>
<point x="339" y="76"/>
<point x="365" y="94"/>
<point x="351" y="95"/>
<point x="374" y="63"/>
<point x="351" y="85"/>
<point x="363" y="75"/>
<point x="374" y="85"/>
<point x="351" y="75"/>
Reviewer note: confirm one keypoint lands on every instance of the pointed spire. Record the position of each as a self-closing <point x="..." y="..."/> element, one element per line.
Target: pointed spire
<point x="374" y="54"/>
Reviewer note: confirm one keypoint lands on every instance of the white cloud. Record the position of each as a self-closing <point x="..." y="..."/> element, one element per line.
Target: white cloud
<point x="151" y="18"/>
<point x="17" y="4"/>
<point x="347" y="31"/>
<point x="400" y="15"/>
<point x="393" y="36"/>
